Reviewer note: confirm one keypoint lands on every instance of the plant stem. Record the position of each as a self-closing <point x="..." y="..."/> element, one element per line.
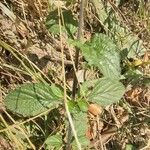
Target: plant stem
<point x="71" y="125"/>
<point x="79" y="36"/>
<point x="75" y="81"/>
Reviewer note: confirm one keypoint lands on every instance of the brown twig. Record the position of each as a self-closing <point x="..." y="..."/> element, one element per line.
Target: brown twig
<point x="80" y="28"/>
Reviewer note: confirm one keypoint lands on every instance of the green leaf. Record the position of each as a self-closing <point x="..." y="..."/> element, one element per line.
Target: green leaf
<point x="69" y="23"/>
<point x="83" y="141"/>
<point x="101" y="10"/>
<point x="147" y="82"/>
<point x="87" y="87"/>
<point x="54" y="141"/>
<point x="102" y="53"/>
<point x="81" y="125"/>
<point x="58" y="91"/>
<point x="73" y="107"/>
<point x="104" y="91"/>
<point x="80" y="122"/>
<point x="123" y="37"/>
<point x="130" y="147"/>
<point x="82" y="105"/>
<point x="77" y="106"/>
<point x="32" y="99"/>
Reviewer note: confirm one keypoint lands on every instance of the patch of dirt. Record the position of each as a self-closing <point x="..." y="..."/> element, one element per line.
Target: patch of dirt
<point x="5" y="145"/>
<point x="23" y="28"/>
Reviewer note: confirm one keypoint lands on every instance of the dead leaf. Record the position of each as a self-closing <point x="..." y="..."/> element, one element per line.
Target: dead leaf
<point x="95" y="109"/>
<point x="22" y="30"/>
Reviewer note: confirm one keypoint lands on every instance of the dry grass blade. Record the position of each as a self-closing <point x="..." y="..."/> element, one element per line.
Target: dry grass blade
<point x="6" y="11"/>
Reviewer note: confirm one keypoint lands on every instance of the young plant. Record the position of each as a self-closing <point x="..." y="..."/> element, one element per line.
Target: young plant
<point x="34" y="98"/>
